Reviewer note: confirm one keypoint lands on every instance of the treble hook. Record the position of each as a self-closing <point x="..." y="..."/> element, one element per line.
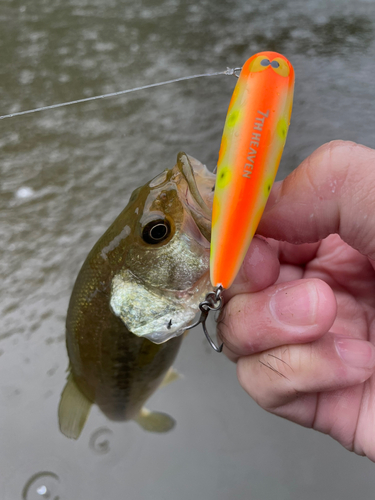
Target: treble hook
<point x="212" y="302"/>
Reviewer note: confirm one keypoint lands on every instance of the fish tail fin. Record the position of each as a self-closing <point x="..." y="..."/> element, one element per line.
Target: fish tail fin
<point x="155" y="421"/>
<point x="73" y="411"/>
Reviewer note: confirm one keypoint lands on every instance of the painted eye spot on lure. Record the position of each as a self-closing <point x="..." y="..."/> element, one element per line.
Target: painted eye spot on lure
<point x="278" y="64"/>
<point x="282" y="68"/>
<point x="267" y="62"/>
<point x="259" y="63"/>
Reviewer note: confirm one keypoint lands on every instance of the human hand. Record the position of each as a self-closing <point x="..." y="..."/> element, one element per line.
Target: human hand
<point x="304" y="344"/>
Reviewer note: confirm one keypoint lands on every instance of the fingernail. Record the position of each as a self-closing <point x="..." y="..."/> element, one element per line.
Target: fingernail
<point x="356" y="353"/>
<point x="296" y="305"/>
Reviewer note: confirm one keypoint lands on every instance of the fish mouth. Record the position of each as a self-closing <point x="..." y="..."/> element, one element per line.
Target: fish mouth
<point x="198" y="193"/>
<point x="172" y="306"/>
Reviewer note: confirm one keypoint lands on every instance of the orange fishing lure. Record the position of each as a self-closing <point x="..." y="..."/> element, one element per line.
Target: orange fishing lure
<point x="252" y="144"/>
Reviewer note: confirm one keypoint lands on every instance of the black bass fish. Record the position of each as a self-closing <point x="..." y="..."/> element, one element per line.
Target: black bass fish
<point x="138" y="289"/>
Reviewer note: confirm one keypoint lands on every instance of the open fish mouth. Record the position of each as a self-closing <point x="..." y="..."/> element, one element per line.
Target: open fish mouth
<point x="198" y="194"/>
<point x="160" y="305"/>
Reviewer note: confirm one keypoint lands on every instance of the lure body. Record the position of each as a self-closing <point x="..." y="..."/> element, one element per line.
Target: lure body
<point x="252" y="144"/>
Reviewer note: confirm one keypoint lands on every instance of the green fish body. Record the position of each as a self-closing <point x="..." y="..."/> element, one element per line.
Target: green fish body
<point x="137" y="290"/>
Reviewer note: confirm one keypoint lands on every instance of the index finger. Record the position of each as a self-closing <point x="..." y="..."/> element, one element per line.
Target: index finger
<point x="332" y="191"/>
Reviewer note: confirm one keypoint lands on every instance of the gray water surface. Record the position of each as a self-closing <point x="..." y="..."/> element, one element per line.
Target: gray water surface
<point x="67" y="173"/>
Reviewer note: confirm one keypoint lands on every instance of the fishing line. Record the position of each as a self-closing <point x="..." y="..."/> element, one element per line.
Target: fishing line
<point x="228" y="72"/>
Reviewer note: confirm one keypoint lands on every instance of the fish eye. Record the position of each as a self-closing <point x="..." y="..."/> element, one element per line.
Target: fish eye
<point x="265" y="62"/>
<point x="156" y="231"/>
<point x="275" y="64"/>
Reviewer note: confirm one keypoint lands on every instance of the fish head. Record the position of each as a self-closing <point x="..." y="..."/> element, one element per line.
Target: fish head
<point x="160" y="253"/>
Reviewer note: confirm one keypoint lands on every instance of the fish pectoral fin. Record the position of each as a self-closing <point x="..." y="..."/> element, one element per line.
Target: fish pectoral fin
<point x="73" y="411"/>
<point x="170" y="376"/>
<point x="153" y="421"/>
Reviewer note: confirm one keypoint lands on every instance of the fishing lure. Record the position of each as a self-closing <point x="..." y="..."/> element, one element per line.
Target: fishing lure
<point x="253" y="140"/>
<point x="252" y="144"/>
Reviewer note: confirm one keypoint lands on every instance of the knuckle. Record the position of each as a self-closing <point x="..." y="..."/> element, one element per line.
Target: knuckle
<point x="352" y="164"/>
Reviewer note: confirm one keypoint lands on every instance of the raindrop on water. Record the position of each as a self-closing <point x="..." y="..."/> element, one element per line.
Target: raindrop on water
<point x="100" y="441"/>
<point x="42" y="486"/>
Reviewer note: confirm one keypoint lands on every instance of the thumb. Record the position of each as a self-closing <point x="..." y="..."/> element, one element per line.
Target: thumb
<point x="332" y="191"/>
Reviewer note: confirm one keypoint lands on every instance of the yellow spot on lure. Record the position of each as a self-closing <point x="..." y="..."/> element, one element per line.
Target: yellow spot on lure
<point x="253" y="140"/>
